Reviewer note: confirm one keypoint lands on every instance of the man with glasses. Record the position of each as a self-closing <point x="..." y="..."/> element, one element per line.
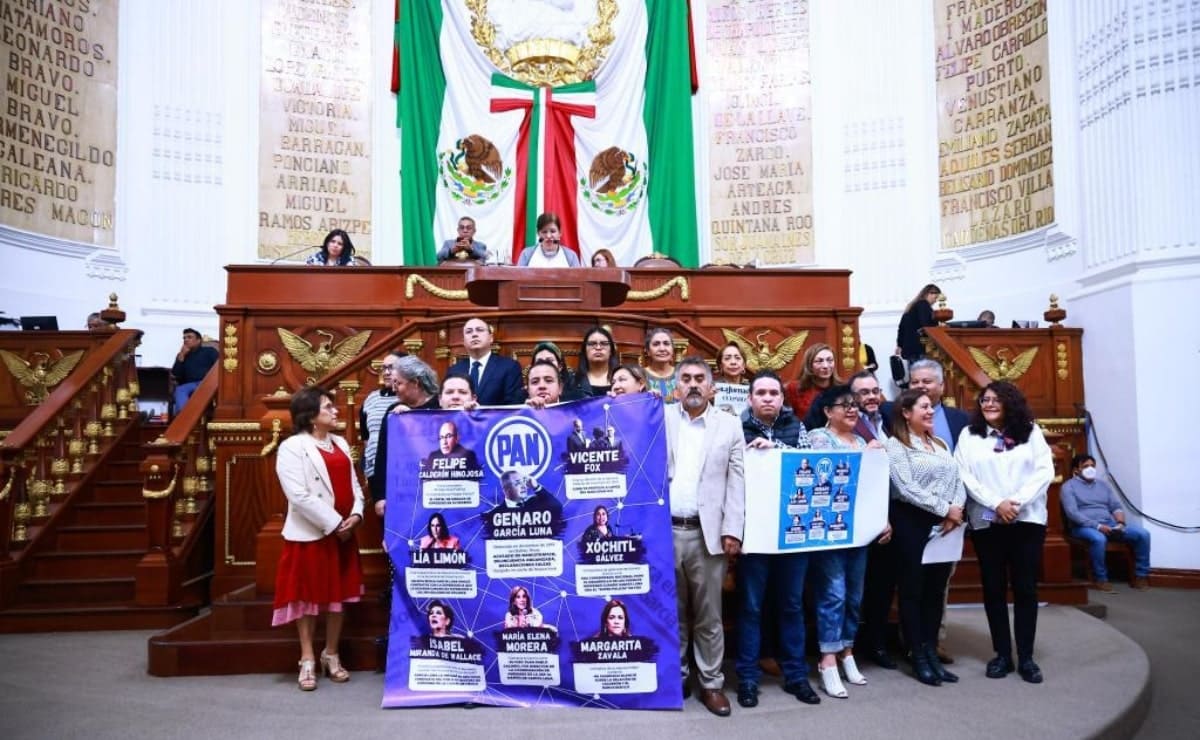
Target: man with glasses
<point x="464" y="247"/>
<point x="874" y="422"/>
<point x="874" y="417"/>
<point x="374" y="406"/>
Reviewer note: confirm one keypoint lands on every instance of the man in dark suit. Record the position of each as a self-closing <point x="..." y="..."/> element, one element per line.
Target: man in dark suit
<point x="450" y="448"/>
<point x="517" y="496"/>
<point x="497" y="379"/>
<point x="578" y="441"/>
<point x="927" y="376"/>
<point x="874" y="422"/>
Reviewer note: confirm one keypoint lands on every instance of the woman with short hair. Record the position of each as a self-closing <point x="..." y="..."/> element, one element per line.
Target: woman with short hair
<point x="838" y="575"/>
<point x="549" y="251"/>
<point x="626" y="378"/>
<point x="319" y="567"/>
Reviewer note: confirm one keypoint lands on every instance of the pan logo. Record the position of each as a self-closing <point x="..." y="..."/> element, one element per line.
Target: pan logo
<point x="519" y="444"/>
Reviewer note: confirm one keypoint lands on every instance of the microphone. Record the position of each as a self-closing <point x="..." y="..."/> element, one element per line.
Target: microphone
<point x="289" y="255"/>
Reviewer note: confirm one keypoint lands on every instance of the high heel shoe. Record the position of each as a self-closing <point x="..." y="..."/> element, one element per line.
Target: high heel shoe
<point x="939" y="670"/>
<point x="922" y="671"/>
<point x="832" y="682"/>
<point x="853" y="675"/>
<point x="332" y="666"/>
<point x="307" y="680"/>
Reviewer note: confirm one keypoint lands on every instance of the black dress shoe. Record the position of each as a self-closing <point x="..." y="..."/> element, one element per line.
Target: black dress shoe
<point x="747" y="695"/>
<point x="1030" y="671"/>
<point x="935" y="663"/>
<point x="687" y="690"/>
<point x="922" y="669"/>
<point x="880" y="657"/>
<point x="999" y="666"/>
<point x="803" y="691"/>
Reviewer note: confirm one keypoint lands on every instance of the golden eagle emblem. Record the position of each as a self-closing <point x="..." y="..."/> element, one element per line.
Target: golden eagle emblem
<point x="324" y="356"/>
<point x="40" y="375"/>
<point x="762" y="357"/>
<point x="1000" y="368"/>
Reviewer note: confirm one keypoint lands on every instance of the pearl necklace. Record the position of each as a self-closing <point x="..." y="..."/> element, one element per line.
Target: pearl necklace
<point x="325" y="444"/>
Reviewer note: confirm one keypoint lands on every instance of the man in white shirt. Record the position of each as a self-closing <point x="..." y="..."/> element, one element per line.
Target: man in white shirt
<point x="708" y="513"/>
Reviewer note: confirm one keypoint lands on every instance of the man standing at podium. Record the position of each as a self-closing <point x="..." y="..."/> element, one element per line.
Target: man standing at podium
<point x="497" y="379"/>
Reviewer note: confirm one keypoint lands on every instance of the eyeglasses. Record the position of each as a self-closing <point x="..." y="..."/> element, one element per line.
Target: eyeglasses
<point x="868" y="392"/>
<point x="846" y="406"/>
<point x="990" y="401"/>
<point x="598" y="345"/>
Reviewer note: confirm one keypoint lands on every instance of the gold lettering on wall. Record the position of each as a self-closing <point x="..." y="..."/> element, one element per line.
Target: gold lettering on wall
<point x="995" y="156"/>
<point x="314" y="125"/>
<point x="760" y="151"/>
<point x="58" y="118"/>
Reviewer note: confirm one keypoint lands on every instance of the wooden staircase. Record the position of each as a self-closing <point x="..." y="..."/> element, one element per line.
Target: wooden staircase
<point x="82" y="575"/>
<point x="237" y="637"/>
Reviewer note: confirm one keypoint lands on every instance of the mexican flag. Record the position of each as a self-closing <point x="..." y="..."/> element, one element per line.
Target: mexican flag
<point x="611" y="155"/>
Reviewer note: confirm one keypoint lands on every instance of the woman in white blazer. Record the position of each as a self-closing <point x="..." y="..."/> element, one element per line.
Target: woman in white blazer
<point x="1007" y="468"/>
<point x="319" y="568"/>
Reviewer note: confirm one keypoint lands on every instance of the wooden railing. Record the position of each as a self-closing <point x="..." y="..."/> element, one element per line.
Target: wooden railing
<point x="47" y="455"/>
<point x="177" y="485"/>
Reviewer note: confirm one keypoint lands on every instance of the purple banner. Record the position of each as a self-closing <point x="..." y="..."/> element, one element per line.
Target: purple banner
<point x="533" y="557"/>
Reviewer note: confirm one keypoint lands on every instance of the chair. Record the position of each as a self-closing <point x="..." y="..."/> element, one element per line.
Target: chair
<point x="658" y="260"/>
<point x="1080" y="550"/>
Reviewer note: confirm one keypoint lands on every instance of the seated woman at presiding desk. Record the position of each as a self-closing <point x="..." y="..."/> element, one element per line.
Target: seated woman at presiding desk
<point x="549" y="251"/>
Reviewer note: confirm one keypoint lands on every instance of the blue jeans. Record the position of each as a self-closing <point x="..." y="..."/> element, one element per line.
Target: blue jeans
<point x="1138" y="539"/>
<point x="183" y="392"/>
<point x="786" y="575"/>
<point x="838" y="588"/>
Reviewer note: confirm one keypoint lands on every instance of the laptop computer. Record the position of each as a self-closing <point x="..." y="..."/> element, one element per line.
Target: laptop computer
<point x="39" y="323"/>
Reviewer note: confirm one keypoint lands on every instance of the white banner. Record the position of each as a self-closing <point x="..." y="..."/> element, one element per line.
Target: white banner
<point x="805" y="500"/>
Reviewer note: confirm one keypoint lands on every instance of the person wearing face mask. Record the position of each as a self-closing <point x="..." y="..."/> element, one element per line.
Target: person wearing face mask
<point x="549" y="251"/>
<point x="1095" y="515"/>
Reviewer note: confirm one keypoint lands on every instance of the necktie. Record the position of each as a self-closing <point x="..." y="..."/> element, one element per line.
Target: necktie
<point x="475" y="375"/>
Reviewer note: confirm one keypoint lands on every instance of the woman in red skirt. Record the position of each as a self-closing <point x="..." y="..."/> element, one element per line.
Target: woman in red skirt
<point x="319" y="569"/>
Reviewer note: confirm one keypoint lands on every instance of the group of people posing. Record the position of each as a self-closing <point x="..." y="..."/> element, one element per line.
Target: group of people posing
<point x="989" y="470"/>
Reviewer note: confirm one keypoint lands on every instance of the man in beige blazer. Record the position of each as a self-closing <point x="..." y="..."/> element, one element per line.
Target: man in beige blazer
<point x="708" y="514"/>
